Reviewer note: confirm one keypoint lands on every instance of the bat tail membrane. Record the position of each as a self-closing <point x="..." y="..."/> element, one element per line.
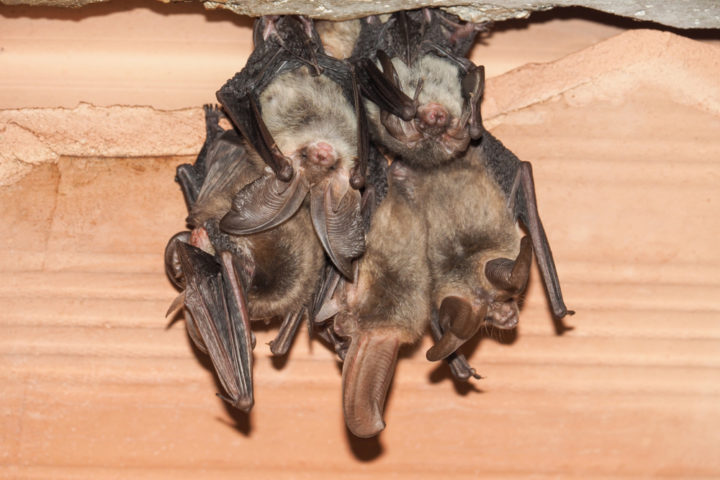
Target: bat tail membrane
<point x="367" y="372"/>
<point x="220" y="323"/>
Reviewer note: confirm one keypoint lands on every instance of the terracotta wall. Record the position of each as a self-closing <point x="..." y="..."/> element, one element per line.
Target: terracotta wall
<point x="623" y="129"/>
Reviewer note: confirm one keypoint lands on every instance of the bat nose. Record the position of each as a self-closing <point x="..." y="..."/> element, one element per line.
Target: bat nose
<point x="433" y="115"/>
<point x="321" y="153"/>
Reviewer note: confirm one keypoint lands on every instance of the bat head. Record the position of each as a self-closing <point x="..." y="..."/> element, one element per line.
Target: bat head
<point x="312" y="123"/>
<point x="492" y="302"/>
<point x="508" y="279"/>
<point x="437" y="124"/>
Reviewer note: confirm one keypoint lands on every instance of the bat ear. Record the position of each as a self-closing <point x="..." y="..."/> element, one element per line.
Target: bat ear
<point x="264" y="204"/>
<point x="367" y="372"/>
<point x="508" y="275"/>
<point x="336" y="215"/>
<point x="473" y="88"/>
<point x="173" y="268"/>
<point x="383" y="88"/>
<point x="459" y="322"/>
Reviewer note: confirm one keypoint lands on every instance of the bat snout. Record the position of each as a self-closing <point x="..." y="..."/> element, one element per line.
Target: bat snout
<point x="433" y="115"/>
<point x="503" y="315"/>
<point x="321" y="153"/>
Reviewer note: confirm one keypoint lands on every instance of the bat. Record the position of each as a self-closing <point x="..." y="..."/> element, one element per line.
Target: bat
<point x="473" y="193"/>
<point x="339" y="37"/>
<point x="300" y="111"/>
<point x="440" y="130"/>
<point x="255" y="251"/>
<point x="478" y="257"/>
<point x="387" y="305"/>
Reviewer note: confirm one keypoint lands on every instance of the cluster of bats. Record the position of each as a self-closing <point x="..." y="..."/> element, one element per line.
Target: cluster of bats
<point x="359" y="191"/>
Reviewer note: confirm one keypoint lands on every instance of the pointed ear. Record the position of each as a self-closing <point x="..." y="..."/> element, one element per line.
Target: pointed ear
<point x="263" y="204"/>
<point x="336" y="216"/>
<point x="383" y="89"/>
<point x="511" y="275"/>
<point x="473" y="88"/>
<point x="459" y="322"/>
<point x="367" y="372"/>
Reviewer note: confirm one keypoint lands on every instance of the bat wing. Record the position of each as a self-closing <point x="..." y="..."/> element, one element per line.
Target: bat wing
<point x="383" y="87"/>
<point x="191" y="177"/>
<point x="220" y="323"/>
<point x="516" y="179"/>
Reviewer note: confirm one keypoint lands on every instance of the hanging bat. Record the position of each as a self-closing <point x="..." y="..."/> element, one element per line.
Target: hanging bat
<point x="386" y="306"/>
<point x="229" y="280"/>
<point x="300" y="111"/>
<point x="433" y="130"/>
<point x="256" y="248"/>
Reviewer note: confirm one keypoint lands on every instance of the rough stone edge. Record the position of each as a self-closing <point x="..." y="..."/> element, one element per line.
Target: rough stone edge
<point x="42" y="135"/>
<point x="696" y="14"/>
<point x="685" y="69"/>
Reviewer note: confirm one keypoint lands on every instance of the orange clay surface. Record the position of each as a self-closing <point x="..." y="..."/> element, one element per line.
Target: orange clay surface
<point x="624" y="137"/>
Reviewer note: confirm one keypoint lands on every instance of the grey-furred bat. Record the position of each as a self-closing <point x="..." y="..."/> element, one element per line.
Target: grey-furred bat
<point x="263" y="208"/>
<point x="299" y="109"/>
<point x="439" y="130"/>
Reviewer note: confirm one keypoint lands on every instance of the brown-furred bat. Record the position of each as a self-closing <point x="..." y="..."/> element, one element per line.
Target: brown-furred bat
<point x="443" y="136"/>
<point x="468" y="189"/>
<point x="444" y="247"/>
<point x="386" y="306"/>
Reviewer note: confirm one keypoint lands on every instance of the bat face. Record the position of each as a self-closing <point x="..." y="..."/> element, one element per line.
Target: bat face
<point x="290" y="89"/>
<point x="438" y="132"/>
<point x="426" y="96"/>
<point x="312" y="124"/>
